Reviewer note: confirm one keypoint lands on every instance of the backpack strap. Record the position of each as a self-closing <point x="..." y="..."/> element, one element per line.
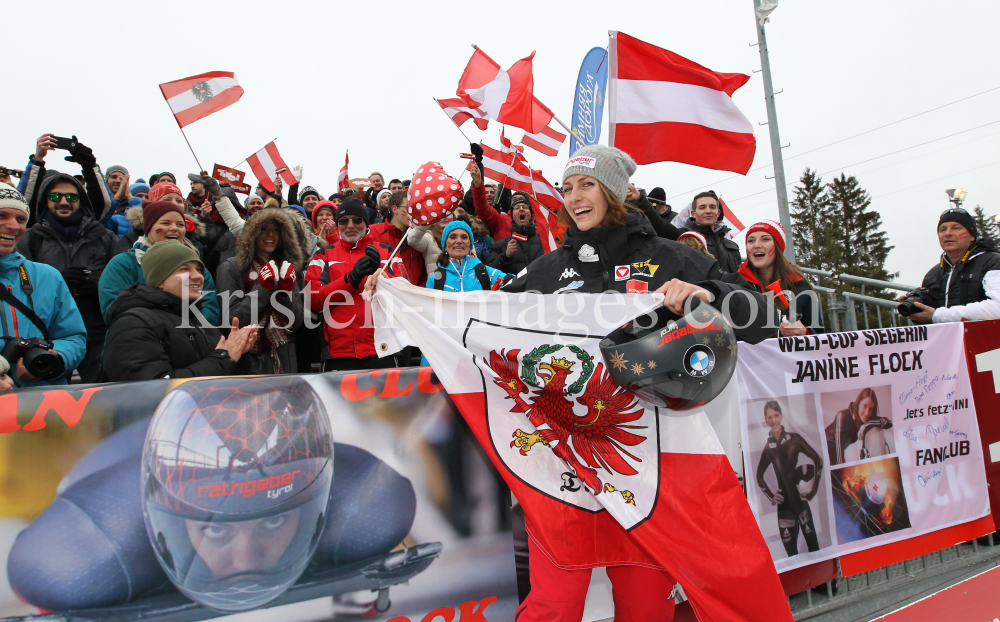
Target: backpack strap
<point x="483" y="276"/>
<point x="439" y="275"/>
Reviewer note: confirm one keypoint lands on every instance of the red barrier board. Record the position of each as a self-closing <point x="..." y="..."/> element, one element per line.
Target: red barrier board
<point x="977" y="598"/>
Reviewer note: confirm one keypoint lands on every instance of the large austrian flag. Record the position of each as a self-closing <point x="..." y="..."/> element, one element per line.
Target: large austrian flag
<point x="666" y="108"/>
<point x="267" y="163"/>
<point x="198" y="96"/>
<point x="603" y="478"/>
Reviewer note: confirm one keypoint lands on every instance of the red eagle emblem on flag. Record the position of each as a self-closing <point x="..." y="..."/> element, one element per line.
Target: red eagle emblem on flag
<point x="600" y="439"/>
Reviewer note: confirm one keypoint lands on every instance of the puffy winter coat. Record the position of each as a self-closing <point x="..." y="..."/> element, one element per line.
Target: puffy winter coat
<point x="146" y="341"/>
<point x="125" y="269"/>
<point x="632" y="258"/>
<point x="127" y="240"/>
<point x="804" y="294"/>
<point x="460" y="276"/>
<point x="389" y="234"/>
<point x="525" y="253"/>
<point x="241" y="307"/>
<point x="726" y="252"/>
<point x="51" y="301"/>
<point x="92" y="247"/>
<point x="967" y="290"/>
<point x="347" y="332"/>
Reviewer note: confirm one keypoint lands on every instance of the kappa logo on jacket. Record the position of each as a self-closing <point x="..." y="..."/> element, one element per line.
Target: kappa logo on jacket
<point x="587" y="254"/>
<point x="569" y="273"/>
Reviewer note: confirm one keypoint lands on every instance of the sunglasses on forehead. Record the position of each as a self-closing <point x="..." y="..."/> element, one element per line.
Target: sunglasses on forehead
<point x="960" y="210"/>
<point x="72" y="197"/>
<point x="354" y="220"/>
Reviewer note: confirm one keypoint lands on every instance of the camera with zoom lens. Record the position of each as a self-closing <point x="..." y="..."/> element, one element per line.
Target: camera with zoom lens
<point x="907" y="308"/>
<point x="35" y="355"/>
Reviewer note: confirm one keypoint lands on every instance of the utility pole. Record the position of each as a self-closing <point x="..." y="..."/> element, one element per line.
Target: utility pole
<point x="772" y="124"/>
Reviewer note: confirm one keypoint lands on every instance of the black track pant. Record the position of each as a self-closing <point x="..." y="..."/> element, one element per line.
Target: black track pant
<point x="789" y="523"/>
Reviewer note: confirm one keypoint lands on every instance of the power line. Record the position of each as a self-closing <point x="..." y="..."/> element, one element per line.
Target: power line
<point x="837" y="142"/>
<point x="938" y="179"/>
<point x="839" y="168"/>
<point x="771" y="201"/>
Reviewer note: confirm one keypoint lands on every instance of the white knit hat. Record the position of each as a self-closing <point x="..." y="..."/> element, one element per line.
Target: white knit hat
<point x="10" y="198"/>
<point x="612" y="167"/>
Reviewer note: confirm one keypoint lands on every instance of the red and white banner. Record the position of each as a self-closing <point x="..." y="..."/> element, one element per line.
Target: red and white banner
<point x="548" y="141"/>
<point x="506" y="168"/>
<point x="507" y="96"/>
<point x="460" y="112"/>
<point x="196" y="97"/>
<point x="666" y="108"/>
<point x="267" y="163"/>
<point x="861" y="439"/>
<point x="343" y="181"/>
<point x="670" y="500"/>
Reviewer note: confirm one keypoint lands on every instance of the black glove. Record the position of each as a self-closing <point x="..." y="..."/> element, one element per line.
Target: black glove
<point x="79" y="281"/>
<point x="365" y="266"/>
<point x="82" y="155"/>
<point x="211" y="184"/>
<point x="477" y="150"/>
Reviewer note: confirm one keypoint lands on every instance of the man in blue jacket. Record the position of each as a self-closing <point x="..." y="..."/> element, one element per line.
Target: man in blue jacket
<point x="39" y="288"/>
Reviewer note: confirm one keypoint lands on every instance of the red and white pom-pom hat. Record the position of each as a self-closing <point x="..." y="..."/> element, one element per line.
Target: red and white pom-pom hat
<point x="433" y="194"/>
<point x="695" y="235"/>
<point x="771" y="227"/>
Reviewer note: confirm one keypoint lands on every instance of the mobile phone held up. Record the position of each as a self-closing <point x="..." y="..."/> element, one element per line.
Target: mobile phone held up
<point x="66" y="144"/>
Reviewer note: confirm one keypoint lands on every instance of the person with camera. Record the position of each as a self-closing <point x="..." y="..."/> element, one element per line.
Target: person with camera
<point x="965" y="283"/>
<point x="42" y="335"/>
<point x="67" y="234"/>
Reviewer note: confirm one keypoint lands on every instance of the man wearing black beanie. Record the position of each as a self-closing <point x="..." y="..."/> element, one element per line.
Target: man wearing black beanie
<point x="965" y="284"/>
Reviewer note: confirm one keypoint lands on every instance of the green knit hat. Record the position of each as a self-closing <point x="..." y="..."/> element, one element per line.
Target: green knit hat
<point x="163" y="258"/>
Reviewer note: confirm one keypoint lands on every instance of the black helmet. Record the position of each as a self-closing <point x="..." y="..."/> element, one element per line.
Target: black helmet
<point x="236" y="478"/>
<point x="679" y="363"/>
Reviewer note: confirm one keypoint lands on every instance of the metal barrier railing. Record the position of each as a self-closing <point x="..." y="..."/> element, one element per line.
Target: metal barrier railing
<point x="874" y="593"/>
<point x="842" y="307"/>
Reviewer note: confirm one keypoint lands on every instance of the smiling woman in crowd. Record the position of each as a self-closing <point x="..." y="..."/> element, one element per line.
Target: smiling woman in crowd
<point x="162" y="219"/>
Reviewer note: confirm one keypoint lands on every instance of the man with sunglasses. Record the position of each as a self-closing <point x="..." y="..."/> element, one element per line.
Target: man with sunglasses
<point x="334" y="281"/>
<point x="39" y="290"/>
<point x="68" y="236"/>
<point x="965" y="283"/>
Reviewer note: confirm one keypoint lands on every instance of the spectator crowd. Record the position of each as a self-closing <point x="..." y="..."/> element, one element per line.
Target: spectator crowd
<point x="121" y="279"/>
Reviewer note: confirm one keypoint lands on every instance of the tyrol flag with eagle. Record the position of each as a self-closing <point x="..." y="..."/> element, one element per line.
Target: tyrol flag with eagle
<point x="604" y="479"/>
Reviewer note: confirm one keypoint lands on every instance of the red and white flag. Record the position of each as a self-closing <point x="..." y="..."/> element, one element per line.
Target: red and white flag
<point x="506" y="168"/>
<point x="267" y="163"/>
<point x="548" y="141"/>
<point x="666" y="108"/>
<point x="343" y="180"/>
<point x="546" y="220"/>
<point x="198" y="96"/>
<point x="459" y="112"/>
<point x="659" y="491"/>
<point x="507" y="96"/>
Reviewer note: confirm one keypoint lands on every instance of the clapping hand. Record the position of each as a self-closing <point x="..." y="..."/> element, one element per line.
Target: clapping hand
<point x="240" y="340"/>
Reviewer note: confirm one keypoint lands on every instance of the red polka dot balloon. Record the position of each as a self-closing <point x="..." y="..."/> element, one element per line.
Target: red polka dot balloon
<point x="433" y="195"/>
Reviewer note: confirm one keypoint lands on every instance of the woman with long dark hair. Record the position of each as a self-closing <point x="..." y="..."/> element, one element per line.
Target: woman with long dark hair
<point x="860" y="421"/>
<point x="766" y="265"/>
<point x="604" y="240"/>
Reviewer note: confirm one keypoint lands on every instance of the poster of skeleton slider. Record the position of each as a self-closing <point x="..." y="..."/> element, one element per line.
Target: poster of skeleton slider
<point x="854" y="440"/>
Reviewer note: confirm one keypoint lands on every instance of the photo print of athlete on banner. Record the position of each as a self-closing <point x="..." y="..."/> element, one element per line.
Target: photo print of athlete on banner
<point x="859" y="439"/>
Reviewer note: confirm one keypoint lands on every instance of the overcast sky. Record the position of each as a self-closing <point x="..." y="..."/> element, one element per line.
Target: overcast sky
<point x="328" y="76"/>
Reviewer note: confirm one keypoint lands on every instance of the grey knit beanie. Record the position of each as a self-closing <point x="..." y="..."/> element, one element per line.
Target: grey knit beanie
<point x="612" y="167"/>
<point x="115" y="168"/>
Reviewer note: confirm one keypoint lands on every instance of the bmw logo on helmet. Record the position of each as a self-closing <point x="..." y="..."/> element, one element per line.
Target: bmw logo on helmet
<point x="699" y="361"/>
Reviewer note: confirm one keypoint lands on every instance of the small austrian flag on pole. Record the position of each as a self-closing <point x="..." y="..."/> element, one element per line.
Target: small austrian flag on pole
<point x="267" y="163"/>
<point x="342" y="178"/>
<point x="548" y="141"/>
<point x="459" y="112"/>
<point x="196" y="97"/>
